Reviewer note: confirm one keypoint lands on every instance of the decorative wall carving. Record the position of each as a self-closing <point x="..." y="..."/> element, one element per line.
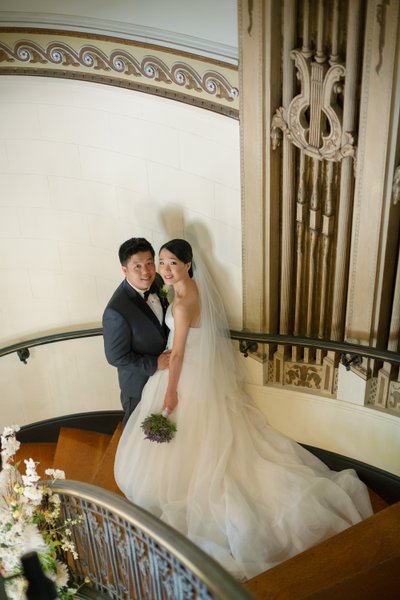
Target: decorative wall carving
<point x="313" y="120"/>
<point x="381" y="19"/>
<point x="394" y="396"/>
<point x="316" y="123"/>
<point x="321" y="122"/>
<point x="302" y="375"/>
<point x="158" y="71"/>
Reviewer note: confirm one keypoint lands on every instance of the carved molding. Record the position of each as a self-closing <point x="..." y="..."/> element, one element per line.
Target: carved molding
<point x="381" y="20"/>
<point x="396" y="186"/>
<point x="125" y="64"/>
<point x="372" y="216"/>
<point x="259" y="39"/>
<point x="123" y="29"/>
<point x="303" y="375"/>
<point x="393" y="401"/>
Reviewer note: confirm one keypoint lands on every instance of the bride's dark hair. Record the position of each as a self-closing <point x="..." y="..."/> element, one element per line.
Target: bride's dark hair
<point x="182" y="250"/>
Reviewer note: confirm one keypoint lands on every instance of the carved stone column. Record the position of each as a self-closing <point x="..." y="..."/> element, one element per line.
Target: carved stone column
<point x="260" y="89"/>
<point x="375" y="217"/>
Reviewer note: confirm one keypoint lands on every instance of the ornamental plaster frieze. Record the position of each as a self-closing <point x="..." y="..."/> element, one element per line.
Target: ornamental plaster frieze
<point x="203" y="82"/>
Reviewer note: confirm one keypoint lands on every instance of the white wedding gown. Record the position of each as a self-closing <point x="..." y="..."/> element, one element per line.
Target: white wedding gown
<point x="246" y="494"/>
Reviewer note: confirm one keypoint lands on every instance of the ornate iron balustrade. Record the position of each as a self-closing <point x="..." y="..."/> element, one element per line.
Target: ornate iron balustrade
<point x="129" y="554"/>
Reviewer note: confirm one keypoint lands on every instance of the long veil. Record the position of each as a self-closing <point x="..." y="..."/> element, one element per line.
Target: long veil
<point x="218" y="368"/>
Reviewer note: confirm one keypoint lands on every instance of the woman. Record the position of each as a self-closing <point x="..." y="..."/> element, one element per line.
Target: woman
<point x="246" y="494"/>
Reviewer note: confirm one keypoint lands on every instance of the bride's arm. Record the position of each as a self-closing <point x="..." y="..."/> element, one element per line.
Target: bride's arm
<point x="181" y="329"/>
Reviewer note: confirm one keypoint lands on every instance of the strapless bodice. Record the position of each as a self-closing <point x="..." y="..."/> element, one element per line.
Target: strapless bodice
<point x="192" y="338"/>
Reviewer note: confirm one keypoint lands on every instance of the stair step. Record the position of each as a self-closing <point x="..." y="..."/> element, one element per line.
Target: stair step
<point x="361" y="548"/>
<point x="370" y="584"/>
<point x="104" y="476"/>
<point x="40" y="452"/>
<point x="377" y="502"/>
<point x="79" y="452"/>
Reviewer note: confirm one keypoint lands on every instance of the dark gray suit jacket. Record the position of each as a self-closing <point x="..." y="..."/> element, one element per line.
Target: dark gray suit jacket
<point x="133" y="339"/>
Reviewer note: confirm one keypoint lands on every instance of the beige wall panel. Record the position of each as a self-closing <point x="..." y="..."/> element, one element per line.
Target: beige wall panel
<point x="373" y="178"/>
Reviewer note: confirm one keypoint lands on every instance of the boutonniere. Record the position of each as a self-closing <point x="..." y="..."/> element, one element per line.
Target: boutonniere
<point x="163" y="291"/>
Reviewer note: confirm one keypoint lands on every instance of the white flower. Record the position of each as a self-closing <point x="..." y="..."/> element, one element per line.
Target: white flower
<point x="55" y="473"/>
<point x="29" y="510"/>
<point x="31" y="475"/>
<point x="30" y="468"/>
<point x="33" y="493"/>
<point x="55" y="499"/>
<point x="32" y="540"/>
<point x="9" y="444"/>
<point x="30" y="480"/>
<point x="69" y="546"/>
<point x="10" y="430"/>
<point x="9" y="447"/>
<point x="4" y="479"/>
<point x="30" y="520"/>
<point x="16" y="588"/>
<point x="62" y="576"/>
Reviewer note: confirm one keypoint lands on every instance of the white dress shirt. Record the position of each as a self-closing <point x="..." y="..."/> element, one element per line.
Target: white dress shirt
<point x="153" y="301"/>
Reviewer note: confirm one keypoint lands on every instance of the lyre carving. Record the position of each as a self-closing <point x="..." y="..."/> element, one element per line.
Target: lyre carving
<point x="313" y="120"/>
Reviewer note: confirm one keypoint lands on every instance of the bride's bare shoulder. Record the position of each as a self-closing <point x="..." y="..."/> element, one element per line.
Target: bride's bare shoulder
<point x="187" y="308"/>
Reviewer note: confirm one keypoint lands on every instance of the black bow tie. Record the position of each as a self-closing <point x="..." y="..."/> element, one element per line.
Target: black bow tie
<point x="146" y="294"/>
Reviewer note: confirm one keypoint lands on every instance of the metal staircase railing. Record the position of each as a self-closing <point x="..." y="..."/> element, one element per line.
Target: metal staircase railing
<point x="127" y="553"/>
<point x="248" y="342"/>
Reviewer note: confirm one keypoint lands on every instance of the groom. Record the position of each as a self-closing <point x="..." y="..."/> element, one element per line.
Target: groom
<point x="134" y="331"/>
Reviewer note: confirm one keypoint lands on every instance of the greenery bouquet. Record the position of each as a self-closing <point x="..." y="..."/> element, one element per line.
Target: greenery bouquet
<point x="158" y="428"/>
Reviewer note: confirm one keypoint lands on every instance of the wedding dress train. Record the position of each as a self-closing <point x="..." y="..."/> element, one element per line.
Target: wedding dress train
<point x="246" y="494"/>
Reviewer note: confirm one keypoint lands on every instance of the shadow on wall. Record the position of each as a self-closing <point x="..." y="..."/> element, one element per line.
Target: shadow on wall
<point x="172" y="221"/>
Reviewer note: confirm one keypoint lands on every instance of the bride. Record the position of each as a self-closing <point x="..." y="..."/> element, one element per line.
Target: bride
<point x="246" y="494"/>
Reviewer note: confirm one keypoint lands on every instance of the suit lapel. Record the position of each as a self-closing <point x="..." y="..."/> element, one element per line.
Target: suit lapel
<point x="142" y="305"/>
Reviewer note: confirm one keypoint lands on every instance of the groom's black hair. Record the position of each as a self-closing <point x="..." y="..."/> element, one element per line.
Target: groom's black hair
<point x="182" y="250"/>
<point x="133" y="246"/>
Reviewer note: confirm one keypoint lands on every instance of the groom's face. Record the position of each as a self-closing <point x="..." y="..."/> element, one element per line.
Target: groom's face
<point x="140" y="270"/>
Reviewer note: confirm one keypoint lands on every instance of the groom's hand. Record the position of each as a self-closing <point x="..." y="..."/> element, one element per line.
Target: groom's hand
<point x="163" y="360"/>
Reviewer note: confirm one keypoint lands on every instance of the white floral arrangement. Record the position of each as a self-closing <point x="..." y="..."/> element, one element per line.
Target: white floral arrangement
<point x="30" y="520"/>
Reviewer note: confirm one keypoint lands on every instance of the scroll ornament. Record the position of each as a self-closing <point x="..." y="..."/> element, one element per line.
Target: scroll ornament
<point x="313" y="120"/>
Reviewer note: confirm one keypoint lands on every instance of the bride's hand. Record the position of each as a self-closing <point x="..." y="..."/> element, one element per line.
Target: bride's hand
<point x="170" y="401"/>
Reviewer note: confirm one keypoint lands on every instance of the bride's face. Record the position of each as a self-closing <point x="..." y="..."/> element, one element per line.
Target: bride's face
<point x="171" y="268"/>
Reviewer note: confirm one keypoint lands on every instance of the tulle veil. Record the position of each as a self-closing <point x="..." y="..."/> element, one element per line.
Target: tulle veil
<point x="218" y="369"/>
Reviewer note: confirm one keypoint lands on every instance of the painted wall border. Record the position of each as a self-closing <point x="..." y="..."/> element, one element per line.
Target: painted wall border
<point x="181" y="76"/>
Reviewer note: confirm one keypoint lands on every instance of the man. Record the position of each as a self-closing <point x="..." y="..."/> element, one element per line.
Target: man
<point x="135" y="334"/>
